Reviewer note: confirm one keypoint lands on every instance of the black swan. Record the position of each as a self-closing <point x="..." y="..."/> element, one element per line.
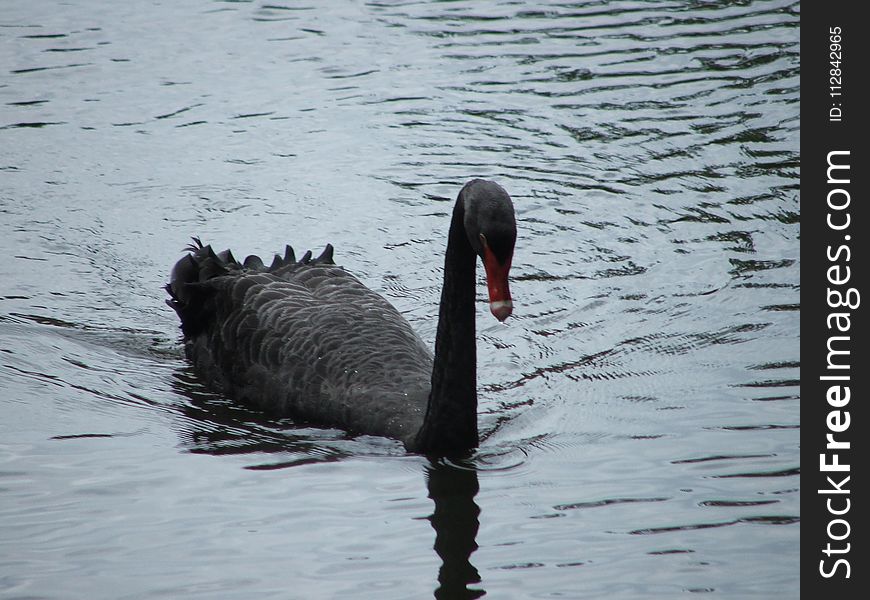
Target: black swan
<point x="306" y="339"/>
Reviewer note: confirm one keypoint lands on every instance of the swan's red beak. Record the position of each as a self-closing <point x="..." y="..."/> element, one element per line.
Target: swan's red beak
<point x="500" y="304"/>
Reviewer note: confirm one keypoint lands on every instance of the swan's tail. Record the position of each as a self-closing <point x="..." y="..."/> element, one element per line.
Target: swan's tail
<point x="188" y="288"/>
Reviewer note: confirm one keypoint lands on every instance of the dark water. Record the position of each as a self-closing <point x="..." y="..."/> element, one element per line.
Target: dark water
<point x="640" y="410"/>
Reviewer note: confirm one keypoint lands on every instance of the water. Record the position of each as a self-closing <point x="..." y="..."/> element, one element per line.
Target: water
<point x="640" y="411"/>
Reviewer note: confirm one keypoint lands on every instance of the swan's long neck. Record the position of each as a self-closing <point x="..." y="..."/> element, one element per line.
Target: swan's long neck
<point x="450" y="426"/>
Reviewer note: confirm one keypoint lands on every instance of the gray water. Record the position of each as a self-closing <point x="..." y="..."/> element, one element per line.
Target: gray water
<point x="640" y="410"/>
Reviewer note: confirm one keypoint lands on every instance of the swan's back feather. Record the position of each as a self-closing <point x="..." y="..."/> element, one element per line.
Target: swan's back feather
<point x="302" y="338"/>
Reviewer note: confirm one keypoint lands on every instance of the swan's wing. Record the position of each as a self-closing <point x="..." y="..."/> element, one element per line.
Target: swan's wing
<point x="306" y="339"/>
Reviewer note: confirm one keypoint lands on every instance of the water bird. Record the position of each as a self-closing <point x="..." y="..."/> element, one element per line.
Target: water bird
<point x="306" y="339"/>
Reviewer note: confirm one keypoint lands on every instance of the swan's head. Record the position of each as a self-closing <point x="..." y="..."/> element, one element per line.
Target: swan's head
<point x="492" y="232"/>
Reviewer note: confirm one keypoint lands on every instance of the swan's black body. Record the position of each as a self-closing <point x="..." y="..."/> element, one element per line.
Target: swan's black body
<point x="306" y="339"/>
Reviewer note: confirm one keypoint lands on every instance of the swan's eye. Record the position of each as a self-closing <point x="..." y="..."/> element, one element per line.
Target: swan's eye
<point x="483" y="240"/>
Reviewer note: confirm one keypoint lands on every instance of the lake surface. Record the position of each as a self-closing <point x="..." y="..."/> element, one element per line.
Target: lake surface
<point x="640" y="410"/>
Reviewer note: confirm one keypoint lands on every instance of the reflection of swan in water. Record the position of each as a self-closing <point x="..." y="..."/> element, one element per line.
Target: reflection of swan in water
<point x="306" y="339"/>
<point x="213" y="426"/>
<point x="455" y="522"/>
